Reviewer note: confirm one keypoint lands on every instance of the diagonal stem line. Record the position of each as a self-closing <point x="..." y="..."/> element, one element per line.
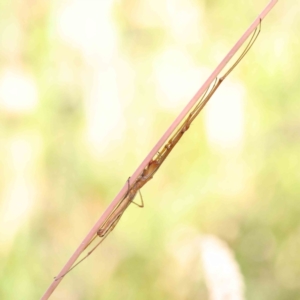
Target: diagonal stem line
<point x="156" y="148"/>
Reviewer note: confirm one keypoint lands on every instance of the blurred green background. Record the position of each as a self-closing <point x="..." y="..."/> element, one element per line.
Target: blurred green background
<point x="86" y="90"/>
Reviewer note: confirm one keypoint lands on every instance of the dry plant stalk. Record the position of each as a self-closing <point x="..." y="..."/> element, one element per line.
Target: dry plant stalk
<point x="160" y="152"/>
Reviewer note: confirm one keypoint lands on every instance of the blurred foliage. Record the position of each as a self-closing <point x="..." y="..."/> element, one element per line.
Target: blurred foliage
<point x="64" y="156"/>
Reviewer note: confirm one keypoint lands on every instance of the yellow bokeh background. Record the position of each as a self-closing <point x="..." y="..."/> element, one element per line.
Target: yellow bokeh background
<point x="87" y="88"/>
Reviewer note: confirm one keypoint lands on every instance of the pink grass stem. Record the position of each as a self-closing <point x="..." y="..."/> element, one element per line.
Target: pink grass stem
<point x="156" y="148"/>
